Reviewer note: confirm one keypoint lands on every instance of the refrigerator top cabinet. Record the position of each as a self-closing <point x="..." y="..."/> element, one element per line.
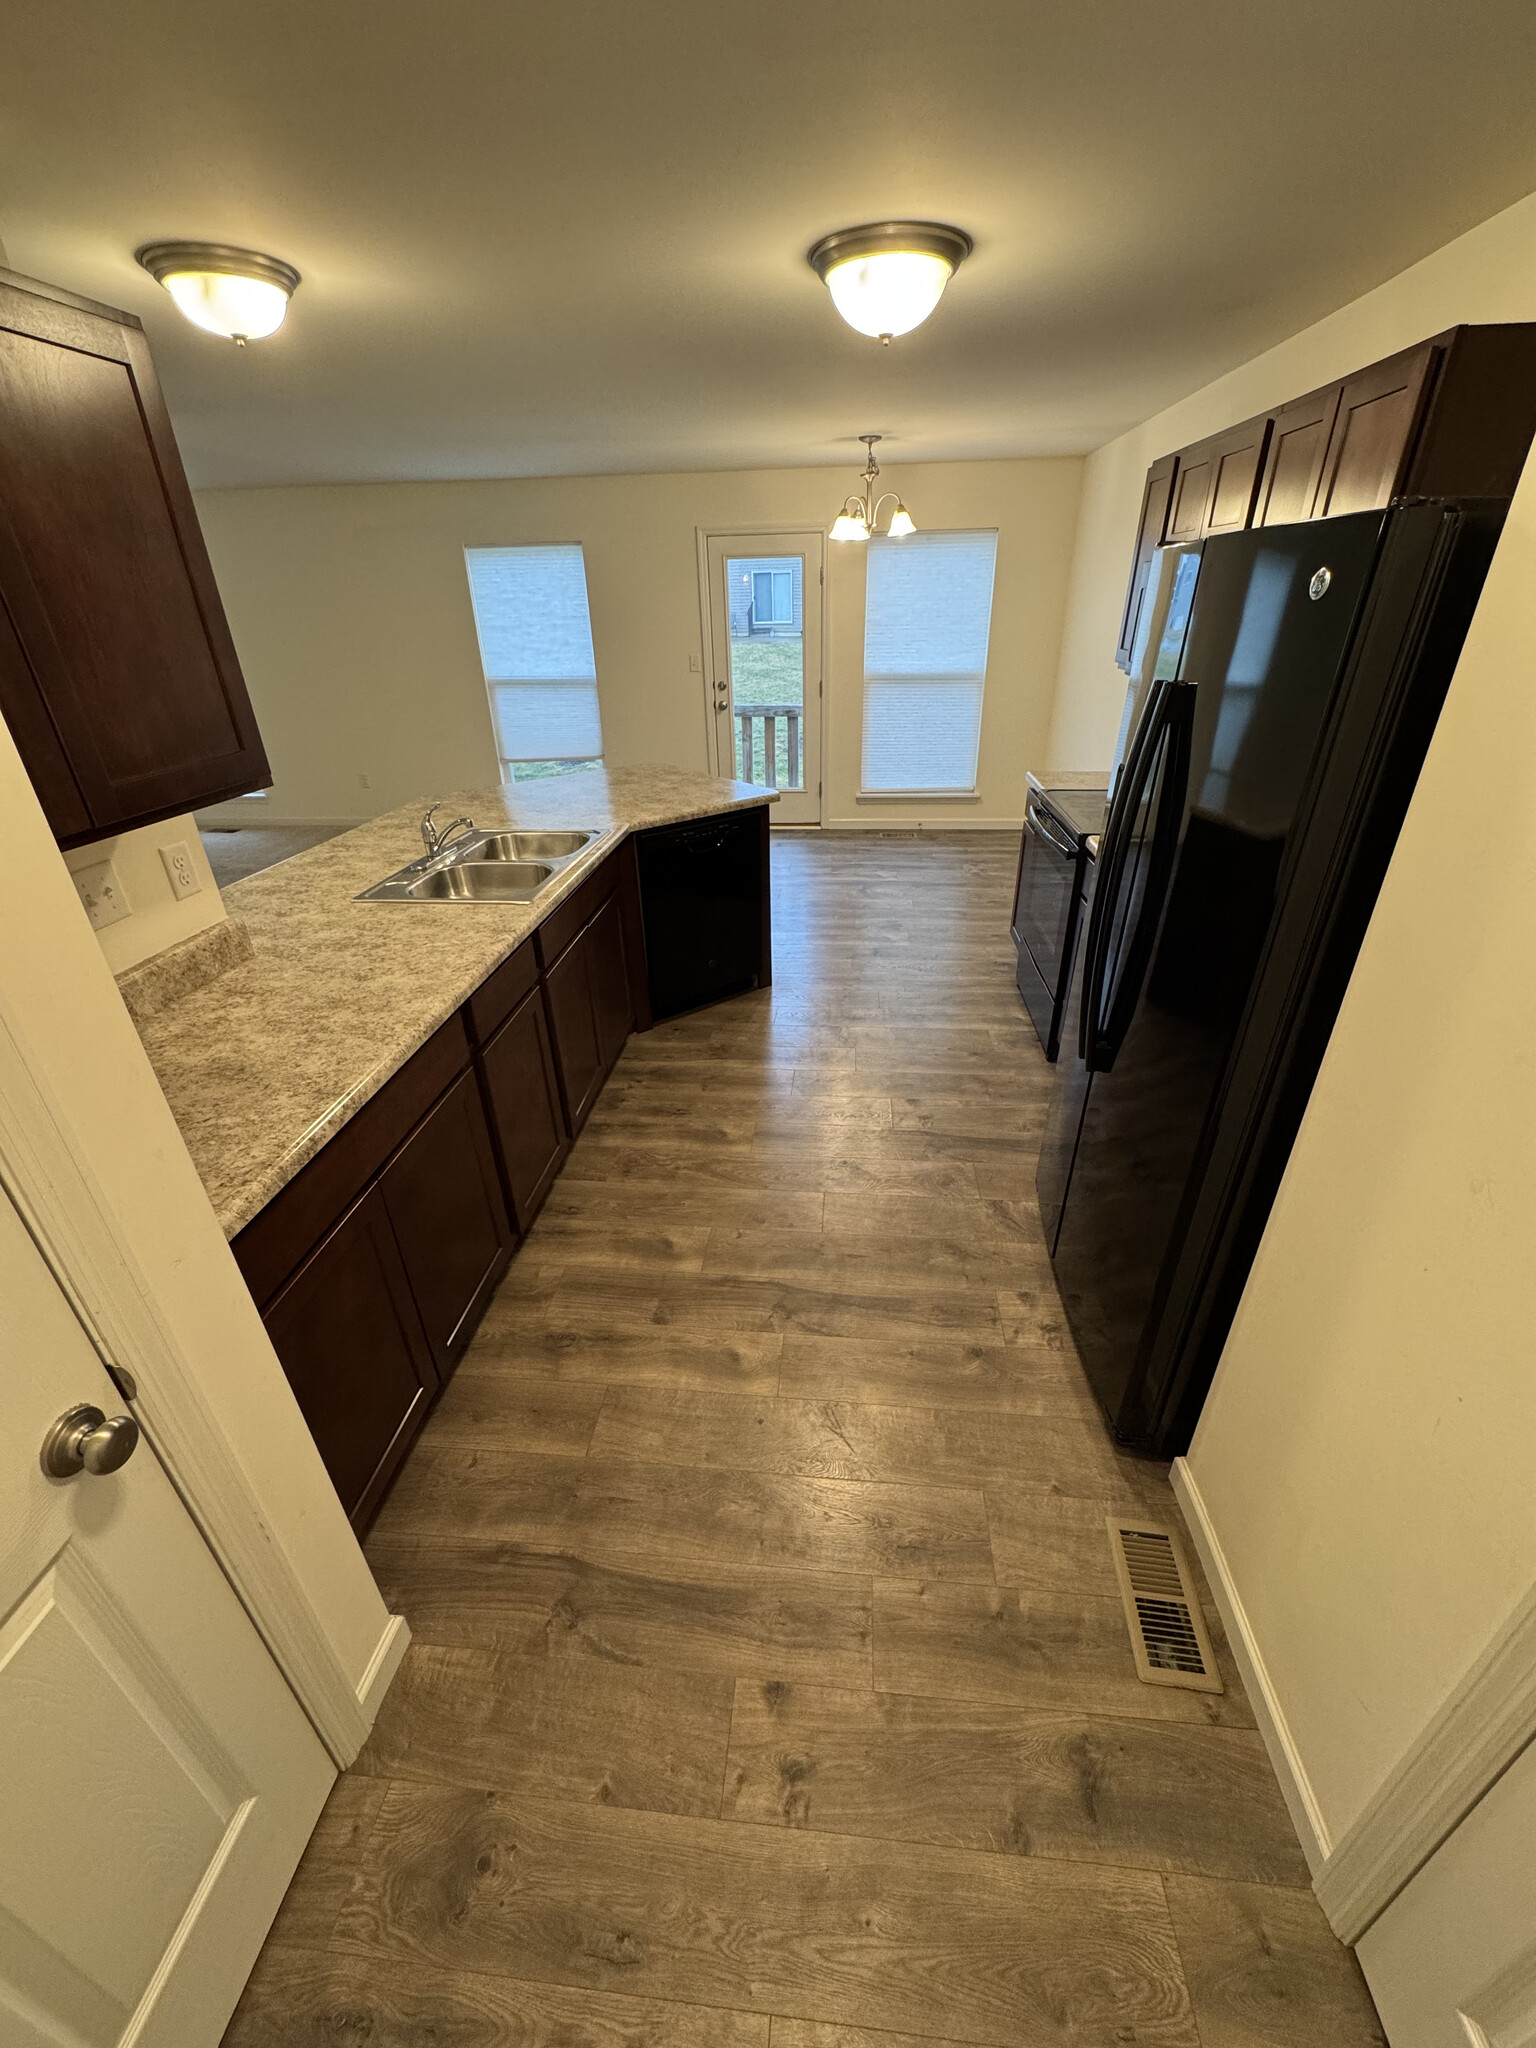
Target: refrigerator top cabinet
<point x="118" y="676"/>
<point x="1261" y="795"/>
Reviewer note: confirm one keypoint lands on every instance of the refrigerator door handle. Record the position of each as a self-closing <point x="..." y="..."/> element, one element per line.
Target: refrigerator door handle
<point x="1178" y="717"/>
<point x="1112" y="849"/>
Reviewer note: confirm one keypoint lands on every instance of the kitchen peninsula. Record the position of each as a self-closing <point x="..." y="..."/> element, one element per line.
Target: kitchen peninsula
<point x="378" y="1101"/>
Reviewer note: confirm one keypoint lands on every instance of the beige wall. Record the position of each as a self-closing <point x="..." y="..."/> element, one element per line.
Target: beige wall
<point x="1368" y="1453"/>
<point x="351" y="613"/>
<point x="1489" y="274"/>
<point x="159" y="918"/>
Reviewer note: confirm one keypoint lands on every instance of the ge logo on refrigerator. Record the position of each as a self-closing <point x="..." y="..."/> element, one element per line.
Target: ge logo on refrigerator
<point x="1319" y="584"/>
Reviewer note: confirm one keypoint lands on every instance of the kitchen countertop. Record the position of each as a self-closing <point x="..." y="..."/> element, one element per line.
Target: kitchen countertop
<point x="266" y="1063"/>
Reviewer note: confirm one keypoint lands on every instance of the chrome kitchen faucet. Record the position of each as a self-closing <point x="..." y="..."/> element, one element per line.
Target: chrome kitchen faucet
<point x="437" y="842"/>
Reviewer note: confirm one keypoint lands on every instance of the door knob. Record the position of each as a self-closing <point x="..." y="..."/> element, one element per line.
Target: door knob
<point x="83" y="1440"/>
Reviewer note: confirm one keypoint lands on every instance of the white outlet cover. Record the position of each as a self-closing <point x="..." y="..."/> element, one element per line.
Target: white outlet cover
<point x="105" y="898"/>
<point x="180" y="870"/>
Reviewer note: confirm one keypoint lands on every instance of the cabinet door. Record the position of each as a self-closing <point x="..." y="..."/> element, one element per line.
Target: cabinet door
<point x="444" y="1200"/>
<point x="130" y="706"/>
<point x="609" y="971"/>
<point x="1191" y="495"/>
<point x="1238" y="458"/>
<point x="1217" y="480"/>
<point x="573" y="1021"/>
<point x="347" y="1333"/>
<point x="1154" y="517"/>
<point x="1373" y="433"/>
<point x="1298" y="442"/>
<point x="524" y="1096"/>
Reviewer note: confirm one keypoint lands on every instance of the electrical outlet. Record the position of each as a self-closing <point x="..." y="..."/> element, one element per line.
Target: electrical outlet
<point x="181" y="874"/>
<point x="363" y="782"/>
<point x="105" y="898"/>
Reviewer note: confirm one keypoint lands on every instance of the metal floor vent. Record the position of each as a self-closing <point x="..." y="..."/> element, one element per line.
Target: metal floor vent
<point x="1162" y="1608"/>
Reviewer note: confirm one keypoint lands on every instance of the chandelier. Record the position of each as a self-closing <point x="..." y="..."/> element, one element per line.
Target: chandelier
<point x="857" y="519"/>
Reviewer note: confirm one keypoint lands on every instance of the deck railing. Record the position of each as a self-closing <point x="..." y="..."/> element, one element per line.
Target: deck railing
<point x="769" y="717"/>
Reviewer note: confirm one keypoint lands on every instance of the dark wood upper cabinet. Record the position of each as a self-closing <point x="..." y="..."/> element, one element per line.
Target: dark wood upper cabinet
<point x="1155" y="500"/>
<point x="118" y="676"/>
<point x="1217" y="480"/>
<point x="444" y="1199"/>
<point x="1373" y="430"/>
<point x="1298" y="442"/>
<point x="523" y="1093"/>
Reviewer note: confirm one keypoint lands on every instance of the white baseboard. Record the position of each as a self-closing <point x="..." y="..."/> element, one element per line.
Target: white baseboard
<point x="382" y="1666"/>
<point x="1300" y="1799"/>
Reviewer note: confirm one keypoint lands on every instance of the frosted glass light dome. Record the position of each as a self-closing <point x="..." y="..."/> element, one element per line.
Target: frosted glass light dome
<point x="238" y="294"/>
<point x="888" y="294"/>
<point x="885" y="279"/>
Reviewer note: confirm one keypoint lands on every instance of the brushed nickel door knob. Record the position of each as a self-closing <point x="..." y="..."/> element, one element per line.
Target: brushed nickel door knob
<point x="83" y="1440"/>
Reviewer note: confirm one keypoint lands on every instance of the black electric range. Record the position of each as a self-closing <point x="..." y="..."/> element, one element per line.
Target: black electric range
<point x="1054" y="862"/>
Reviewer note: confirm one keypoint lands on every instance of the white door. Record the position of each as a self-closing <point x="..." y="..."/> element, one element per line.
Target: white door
<point x="765" y="661"/>
<point x="1452" y="1961"/>
<point x="158" y="1780"/>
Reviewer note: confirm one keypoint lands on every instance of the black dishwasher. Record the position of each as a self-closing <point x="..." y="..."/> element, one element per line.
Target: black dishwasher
<point x="703" y="899"/>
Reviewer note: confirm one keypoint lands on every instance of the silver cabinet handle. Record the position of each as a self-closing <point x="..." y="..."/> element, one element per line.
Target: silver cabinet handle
<point x="83" y="1440"/>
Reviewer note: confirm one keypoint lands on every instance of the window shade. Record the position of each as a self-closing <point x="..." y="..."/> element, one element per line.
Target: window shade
<point x="927" y="617"/>
<point x="535" y="633"/>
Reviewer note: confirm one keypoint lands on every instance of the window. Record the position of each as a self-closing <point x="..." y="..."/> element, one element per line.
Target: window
<point x="927" y="616"/>
<point x="773" y="597"/>
<point x="536" y="650"/>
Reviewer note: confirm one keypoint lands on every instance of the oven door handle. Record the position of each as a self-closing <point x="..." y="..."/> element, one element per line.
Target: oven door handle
<point x="1036" y="818"/>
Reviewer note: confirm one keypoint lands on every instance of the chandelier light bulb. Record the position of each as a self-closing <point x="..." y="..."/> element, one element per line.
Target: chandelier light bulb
<point x="238" y="294"/>
<point x="859" y="518"/>
<point x="885" y="279"/>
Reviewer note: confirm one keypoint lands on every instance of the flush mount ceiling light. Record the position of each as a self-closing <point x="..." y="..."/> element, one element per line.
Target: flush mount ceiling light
<point x="237" y="293"/>
<point x="857" y="519"/>
<point x="887" y="278"/>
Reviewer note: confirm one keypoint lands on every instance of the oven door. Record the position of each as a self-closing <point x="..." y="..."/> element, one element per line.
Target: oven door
<point x="1044" y="915"/>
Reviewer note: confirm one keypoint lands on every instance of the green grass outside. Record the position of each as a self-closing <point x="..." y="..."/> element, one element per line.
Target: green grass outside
<point x="769" y="672"/>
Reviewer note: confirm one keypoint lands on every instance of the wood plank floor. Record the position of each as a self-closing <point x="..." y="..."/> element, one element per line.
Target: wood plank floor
<point x="769" y="1687"/>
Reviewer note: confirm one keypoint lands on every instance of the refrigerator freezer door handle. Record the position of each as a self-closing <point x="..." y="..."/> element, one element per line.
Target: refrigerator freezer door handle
<point x="1178" y="716"/>
<point x="1111" y="864"/>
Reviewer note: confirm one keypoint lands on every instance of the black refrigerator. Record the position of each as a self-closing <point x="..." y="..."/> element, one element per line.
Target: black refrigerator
<point x="1261" y="796"/>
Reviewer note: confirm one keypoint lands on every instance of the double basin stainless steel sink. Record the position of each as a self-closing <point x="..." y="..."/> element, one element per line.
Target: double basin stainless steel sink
<point x="483" y="867"/>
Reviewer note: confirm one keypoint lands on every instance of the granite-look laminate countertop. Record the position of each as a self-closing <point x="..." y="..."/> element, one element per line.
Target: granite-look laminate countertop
<point x="266" y="1063"/>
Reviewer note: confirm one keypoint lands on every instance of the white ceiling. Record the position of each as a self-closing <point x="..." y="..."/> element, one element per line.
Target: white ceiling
<point x="570" y="238"/>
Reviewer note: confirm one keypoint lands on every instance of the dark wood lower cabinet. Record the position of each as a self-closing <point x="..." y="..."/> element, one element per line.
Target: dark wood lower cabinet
<point x="374" y="1265"/>
<point x="574" y="1024"/>
<point x="444" y="1199"/>
<point x="612" y="1007"/>
<point x="523" y="1092"/>
<point x="590" y="1009"/>
<point x="351" y="1343"/>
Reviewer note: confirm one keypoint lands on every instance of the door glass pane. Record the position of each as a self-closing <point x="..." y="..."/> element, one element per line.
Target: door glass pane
<point x="765" y="597"/>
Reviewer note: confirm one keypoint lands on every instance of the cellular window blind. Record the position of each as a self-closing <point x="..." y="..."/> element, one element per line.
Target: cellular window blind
<point x="535" y="633"/>
<point x="927" y="618"/>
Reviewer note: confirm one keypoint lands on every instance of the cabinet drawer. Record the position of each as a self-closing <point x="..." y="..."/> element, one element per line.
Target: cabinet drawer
<point x="563" y="925"/>
<point x="273" y="1243"/>
<point x="500" y="993"/>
